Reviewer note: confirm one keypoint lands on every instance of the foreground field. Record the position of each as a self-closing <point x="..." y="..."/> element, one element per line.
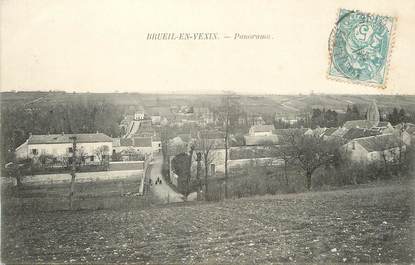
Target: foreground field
<point x="367" y="224"/>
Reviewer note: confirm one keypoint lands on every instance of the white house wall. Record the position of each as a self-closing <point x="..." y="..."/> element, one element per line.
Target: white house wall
<point x="59" y="150"/>
<point x="156" y="146"/>
<point x="22" y="151"/>
<point x="358" y="154"/>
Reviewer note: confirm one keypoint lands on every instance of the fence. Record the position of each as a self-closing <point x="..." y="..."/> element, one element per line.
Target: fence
<point x="127" y="165"/>
<point x="50" y="179"/>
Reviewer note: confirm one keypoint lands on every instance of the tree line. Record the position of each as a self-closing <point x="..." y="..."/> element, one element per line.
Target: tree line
<point x="19" y="120"/>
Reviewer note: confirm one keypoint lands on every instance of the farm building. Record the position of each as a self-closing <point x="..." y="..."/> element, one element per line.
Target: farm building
<point x="92" y="146"/>
<point x="378" y="148"/>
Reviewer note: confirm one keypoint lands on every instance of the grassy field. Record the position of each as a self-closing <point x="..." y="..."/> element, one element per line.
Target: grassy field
<point x="360" y="224"/>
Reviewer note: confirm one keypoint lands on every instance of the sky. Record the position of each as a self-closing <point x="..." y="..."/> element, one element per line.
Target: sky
<point x="102" y="46"/>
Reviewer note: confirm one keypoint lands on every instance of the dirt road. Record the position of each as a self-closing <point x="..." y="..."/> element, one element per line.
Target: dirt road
<point x="162" y="190"/>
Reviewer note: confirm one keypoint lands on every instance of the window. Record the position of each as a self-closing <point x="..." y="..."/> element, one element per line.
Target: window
<point x="353" y="145"/>
<point x="34" y="151"/>
<point x="159" y="145"/>
<point x="70" y="150"/>
<point x="91" y="158"/>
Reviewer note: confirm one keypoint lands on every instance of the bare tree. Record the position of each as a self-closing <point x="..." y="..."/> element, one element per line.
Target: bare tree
<point x="230" y="111"/>
<point x="285" y="153"/>
<point x="73" y="172"/>
<point x="311" y="152"/>
<point x="206" y="147"/>
<point x="390" y="148"/>
<point x="101" y="153"/>
<point x="198" y="168"/>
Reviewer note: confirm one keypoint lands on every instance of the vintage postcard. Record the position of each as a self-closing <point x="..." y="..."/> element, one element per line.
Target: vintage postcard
<point x="207" y="132"/>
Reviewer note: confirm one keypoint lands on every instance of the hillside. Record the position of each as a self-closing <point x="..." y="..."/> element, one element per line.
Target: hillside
<point x="367" y="224"/>
<point x="262" y="104"/>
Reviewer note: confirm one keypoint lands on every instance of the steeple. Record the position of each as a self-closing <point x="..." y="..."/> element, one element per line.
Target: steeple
<point x="373" y="113"/>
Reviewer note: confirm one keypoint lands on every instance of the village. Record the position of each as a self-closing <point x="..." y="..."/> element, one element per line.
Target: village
<point x="221" y="178"/>
<point x="168" y="139"/>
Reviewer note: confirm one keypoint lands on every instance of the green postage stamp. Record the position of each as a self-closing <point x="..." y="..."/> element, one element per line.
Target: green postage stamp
<point x="360" y="47"/>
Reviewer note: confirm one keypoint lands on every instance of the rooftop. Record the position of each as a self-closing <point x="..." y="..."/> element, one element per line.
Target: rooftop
<point x="329" y="131"/>
<point x="212" y="134"/>
<point x="142" y="141"/>
<point x="359" y="124"/>
<point x="379" y="142"/>
<point x="262" y="128"/>
<point x="261" y="140"/>
<point x="355" y="133"/>
<point x="67" y="138"/>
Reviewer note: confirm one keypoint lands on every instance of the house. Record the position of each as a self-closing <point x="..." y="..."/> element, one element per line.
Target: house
<point x="145" y="145"/>
<point x="406" y="131"/>
<point x="261" y="140"/>
<point x="259" y="155"/>
<point x="212" y="139"/>
<point x="408" y="135"/>
<point x="261" y="135"/>
<point x="384" y="127"/>
<point x="288" y="118"/>
<point x="155" y="119"/>
<point x="339" y="133"/>
<point x="364" y="124"/>
<point x="355" y="133"/>
<point x="156" y="144"/>
<point x="328" y="133"/>
<point x="317" y="132"/>
<point x="139" y="115"/>
<point x="92" y="146"/>
<point x="215" y="135"/>
<point x="375" y="148"/>
<point x="261" y="130"/>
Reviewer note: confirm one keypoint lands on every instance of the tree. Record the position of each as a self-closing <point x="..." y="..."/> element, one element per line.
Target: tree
<point x="402" y="115"/>
<point x="73" y="172"/>
<point x="189" y="176"/>
<point x="311" y="152"/>
<point x="206" y="146"/>
<point x="198" y="168"/>
<point x="285" y="153"/>
<point x="14" y="171"/>
<point x="180" y="166"/>
<point x="230" y="111"/>
<point x="352" y="113"/>
<point x="102" y="154"/>
<point x="391" y="149"/>
<point x="394" y="116"/>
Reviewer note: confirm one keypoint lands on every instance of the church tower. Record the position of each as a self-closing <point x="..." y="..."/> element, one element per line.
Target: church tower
<point x="373" y="113"/>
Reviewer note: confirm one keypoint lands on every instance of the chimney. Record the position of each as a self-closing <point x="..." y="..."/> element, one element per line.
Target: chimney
<point x="63" y="133"/>
<point x="97" y="132"/>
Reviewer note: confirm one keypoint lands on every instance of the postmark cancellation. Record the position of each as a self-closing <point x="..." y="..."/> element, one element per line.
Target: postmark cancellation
<point x="360" y="47"/>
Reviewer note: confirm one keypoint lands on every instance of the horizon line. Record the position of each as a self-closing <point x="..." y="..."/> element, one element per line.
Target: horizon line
<point x="202" y="93"/>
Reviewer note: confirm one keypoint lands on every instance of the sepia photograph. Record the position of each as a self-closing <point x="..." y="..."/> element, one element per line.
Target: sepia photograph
<point x="207" y="132"/>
